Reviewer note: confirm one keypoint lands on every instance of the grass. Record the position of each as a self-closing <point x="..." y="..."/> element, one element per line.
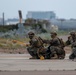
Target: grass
<point x="47" y="35"/>
<point x="6" y="43"/>
<point x="62" y="32"/>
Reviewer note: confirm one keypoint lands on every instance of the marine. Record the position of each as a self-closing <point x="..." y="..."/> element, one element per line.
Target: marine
<point x="36" y="48"/>
<point x="56" y="47"/>
<point x="72" y="41"/>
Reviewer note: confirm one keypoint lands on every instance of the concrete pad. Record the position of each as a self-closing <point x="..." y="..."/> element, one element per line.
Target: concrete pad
<point x="21" y="62"/>
<point x="14" y="56"/>
<point x="19" y="56"/>
<point x="39" y="73"/>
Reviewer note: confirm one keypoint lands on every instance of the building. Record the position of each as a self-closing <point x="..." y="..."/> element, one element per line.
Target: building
<point x="41" y="15"/>
<point x="64" y="23"/>
<point x="13" y="21"/>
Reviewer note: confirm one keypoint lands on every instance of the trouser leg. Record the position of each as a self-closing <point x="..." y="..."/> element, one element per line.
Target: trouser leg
<point x="31" y="52"/>
<point x="72" y="56"/>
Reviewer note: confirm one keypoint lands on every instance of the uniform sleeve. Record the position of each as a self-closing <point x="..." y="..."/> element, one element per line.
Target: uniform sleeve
<point x="68" y="42"/>
<point x="44" y="40"/>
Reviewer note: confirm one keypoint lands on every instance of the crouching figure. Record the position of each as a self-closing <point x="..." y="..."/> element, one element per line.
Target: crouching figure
<point x="56" y="47"/>
<point x="36" y="48"/>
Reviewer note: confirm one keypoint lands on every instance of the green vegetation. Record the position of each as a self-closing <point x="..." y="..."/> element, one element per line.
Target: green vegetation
<point x="8" y="44"/>
<point x="47" y="35"/>
<point x="6" y="28"/>
<point x="63" y="32"/>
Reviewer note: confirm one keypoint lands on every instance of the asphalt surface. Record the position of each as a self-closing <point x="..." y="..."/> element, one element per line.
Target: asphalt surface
<point x="21" y="62"/>
<point x="39" y="73"/>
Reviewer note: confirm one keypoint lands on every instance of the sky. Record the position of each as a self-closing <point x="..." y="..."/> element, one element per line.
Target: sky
<point x="63" y="8"/>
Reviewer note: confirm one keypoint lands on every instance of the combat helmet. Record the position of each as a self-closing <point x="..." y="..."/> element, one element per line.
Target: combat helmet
<point x="31" y="33"/>
<point x="72" y="33"/>
<point x="53" y="33"/>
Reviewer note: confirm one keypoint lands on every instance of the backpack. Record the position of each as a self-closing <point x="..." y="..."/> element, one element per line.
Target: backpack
<point x="62" y="42"/>
<point x="40" y="40"/>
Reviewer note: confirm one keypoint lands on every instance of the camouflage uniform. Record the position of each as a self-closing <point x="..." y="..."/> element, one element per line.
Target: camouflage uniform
<point x="72" y="41"/>
<point x="56" y="47"/>
<point x="36" y="48"/>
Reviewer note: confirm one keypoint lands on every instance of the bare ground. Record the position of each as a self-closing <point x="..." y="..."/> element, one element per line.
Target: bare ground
<point x="24" y="51"/>
<point x="14" y="51"/>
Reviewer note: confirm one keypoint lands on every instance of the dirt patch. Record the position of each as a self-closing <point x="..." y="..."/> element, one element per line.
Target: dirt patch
<point x="68" y="50"/>
<point x="14" y="51"/>
<point x="24" y="50"/>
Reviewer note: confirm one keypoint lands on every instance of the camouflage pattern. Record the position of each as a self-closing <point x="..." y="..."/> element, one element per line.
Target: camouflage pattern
<point x="56" y="47"/>
<point x="36" y="48"/>
<point x="72" y="41"/>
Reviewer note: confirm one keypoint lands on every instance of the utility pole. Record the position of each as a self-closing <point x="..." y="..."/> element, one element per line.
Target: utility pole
<point x="21" y="28"/>
<point x="3" y="18"/>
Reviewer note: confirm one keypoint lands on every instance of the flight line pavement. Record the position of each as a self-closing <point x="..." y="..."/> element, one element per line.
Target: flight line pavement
<point x="21" y="62"/>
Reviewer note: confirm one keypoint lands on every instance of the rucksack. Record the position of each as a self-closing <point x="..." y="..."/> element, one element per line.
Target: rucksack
<point x="62" y="42"/>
